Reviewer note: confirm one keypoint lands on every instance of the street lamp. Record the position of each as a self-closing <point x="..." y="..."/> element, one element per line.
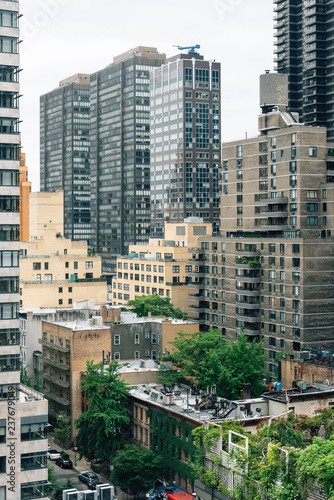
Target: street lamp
<point x="75" y="443"/>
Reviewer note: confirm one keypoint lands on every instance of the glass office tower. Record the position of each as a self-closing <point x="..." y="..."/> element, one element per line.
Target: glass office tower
<point x="65" y="150"/>
<point x="185" y="141"/>
<point x="120" y="153"/>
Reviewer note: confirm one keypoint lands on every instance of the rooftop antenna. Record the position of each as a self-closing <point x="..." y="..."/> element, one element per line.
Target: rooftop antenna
<point x="191" y="49"/>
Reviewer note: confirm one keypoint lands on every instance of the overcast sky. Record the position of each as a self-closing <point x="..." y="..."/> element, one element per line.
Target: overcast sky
<point x="64" y="37"/>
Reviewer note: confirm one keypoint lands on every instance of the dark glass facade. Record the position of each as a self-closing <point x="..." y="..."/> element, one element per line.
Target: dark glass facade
<point x="120" y="155"/>
<point x="185" y="142"/>
<point x="65" y="150"/>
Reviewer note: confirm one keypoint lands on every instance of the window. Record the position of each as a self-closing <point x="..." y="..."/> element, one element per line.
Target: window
<point x="272" y="341"/>
<point x="295" y="276"/>
<point x="312" y="151"/>
<point x="293" y="166"/>
<point x="75" y="265"/>
<point x="282" y="275"/>
<point x="153" y="338"/>
<point x="296" y="318"/>
<point x="176" y="269"/>
<point x="32" y="432"/>
<point x="282" y="316"/>
<point x="296" y="291"/>
<point x="293" y="221"/>
<point x="272" y="274"/>
<point x="137" y="338"/>
<point x="312" y="221"/>
<point x="293" y="180"/>
<point x="312" y="207"/>
<point x="312" y="194"/>
<point x="89" y="265"/>
<point x="239" y="151"/>
<point x="36" y="266"/>
<point x="117" y="340"/>
<point x="282" y="329"/>
<point x="293" y="138"/>
<point x="272" y="261"/>
<point x="137" y="354"/>
<point x="272" y="247"/>
<point x="272" y="328"/>
<point x="32" y="461"/>
<point x="296" y="332"/>
<point x="296" y="304"/>
<point x="293" y="194"/>
<point x="295" y="248"/>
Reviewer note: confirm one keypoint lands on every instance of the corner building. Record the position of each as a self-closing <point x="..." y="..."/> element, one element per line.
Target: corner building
<point x="185" y="141"/>
<point x="23" y="411"/>
<point x="120" y="153"/>
<point x="272" y="272"/>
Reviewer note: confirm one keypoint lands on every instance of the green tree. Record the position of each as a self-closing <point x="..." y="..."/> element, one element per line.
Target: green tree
<point x="135" y="468"/>
<point x="62" y="428"/>
<point x="101" y="426"/>
<point x="316" y="462"/>
<point x="155" y="305"/>
<point x="208" y="359"/>
<point x="24" y="377"/>
<point x="56" y="487"/>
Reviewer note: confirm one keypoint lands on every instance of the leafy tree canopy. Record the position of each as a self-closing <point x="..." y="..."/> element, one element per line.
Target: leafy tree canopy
<point x="156" y="305"/>
<point x="135" y="468"/>
<point x="62" y="429"/>
<point x="101" y="426"/>
<point x="208" y="359"/>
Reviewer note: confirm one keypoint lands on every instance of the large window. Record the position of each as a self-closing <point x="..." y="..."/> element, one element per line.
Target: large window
<point x="8" y="45"/>
<point x="31" y="461"/>
<point x="9" y="74"/>
<point x="9" y="311"/>
<point x="9" y="258"/>
<point x="34" y="490"/>
<point x="10" y="363"/>
<point x="9" y="100"/>
<point x="9" y="285"/>
<point x="32" y="432"/>
<point x="8" y="19"/>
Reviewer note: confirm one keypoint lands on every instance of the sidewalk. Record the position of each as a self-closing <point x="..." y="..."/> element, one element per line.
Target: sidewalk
<point x="83" y="466"/>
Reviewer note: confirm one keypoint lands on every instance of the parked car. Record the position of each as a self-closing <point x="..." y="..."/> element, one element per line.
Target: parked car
<point x="64" y="463"/>
<point x="53" y="454"/>
<point x="93" y="484"/>
<point x="88" y="478"/>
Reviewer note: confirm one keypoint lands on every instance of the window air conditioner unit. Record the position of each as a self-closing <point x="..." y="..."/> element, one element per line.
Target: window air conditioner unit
<point x="71" y="494"/>
<point x="89" y="495"/>
<point x="105" y="491"/>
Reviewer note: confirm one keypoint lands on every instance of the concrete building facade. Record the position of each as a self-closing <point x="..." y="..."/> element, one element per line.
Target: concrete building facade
<point x="145" y="338"/>
<point x="120" y="153"/>
<point x="272" y="271"/>
<point x="23" y="412"/>
<point x="65" y="150"/>
<point x="161" y="265"/>
<point x="185" y="141"/>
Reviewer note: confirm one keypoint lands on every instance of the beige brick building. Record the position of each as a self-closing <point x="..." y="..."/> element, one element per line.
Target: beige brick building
<point x="161" y="266"/>
<point x="66" y="346"/>
<point x="56" y="272"/>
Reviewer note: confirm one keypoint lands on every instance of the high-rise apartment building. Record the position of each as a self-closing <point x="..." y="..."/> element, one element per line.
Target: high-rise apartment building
<point x="185" y="141"/>
<point x="65" y="150"/>
<point x="304" y="51"/>
<point x="272" y="271"/>
<point x="120" y="153"/>
<point x="23" y="412"/>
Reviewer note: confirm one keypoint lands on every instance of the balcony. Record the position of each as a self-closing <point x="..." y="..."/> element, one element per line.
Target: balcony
<point x="195" y="298"/>
<point x="255" y="305"/>
<point x="56" y="347"/>
<point x="55" y="381"/>
<point x="275" y="201"/>
<point x="249" y="319"/>
<point x="270" y="214"/>
<point x="59" y="400"/>
<point x="252" y="333"/>
<point x="249" y="291"/>
<point x="195" y="286"/>
<point x="248" y="253"/>
<point x="196" y="309"/>
<point x="55" y="364"/>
